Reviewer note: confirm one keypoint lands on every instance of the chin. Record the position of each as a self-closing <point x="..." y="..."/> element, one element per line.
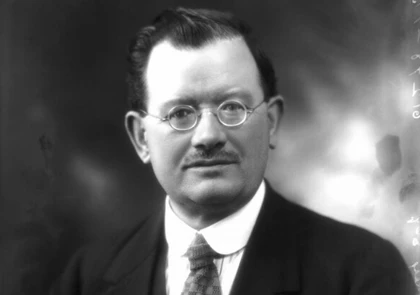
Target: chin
<point x="215" y="192"/>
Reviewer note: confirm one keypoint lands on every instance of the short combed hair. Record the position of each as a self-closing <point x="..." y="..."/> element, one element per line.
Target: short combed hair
<point x="190" y="28"/>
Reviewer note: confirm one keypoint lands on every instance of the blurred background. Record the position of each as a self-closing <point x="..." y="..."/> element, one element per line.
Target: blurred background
<point x="349" y="145"/>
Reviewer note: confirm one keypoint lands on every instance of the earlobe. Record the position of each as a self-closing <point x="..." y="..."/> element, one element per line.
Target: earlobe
<point x="275" y="113"/>
<point x="134" y="125"/>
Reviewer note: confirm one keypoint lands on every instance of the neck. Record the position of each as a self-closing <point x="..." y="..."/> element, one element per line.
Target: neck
<point x="199" y="218"/>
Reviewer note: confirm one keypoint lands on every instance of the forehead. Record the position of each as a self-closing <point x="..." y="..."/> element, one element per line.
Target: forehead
<point x="204" y="74"/>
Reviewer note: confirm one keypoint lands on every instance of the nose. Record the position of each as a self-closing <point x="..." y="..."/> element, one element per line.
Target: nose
<point x="209" y="132"/>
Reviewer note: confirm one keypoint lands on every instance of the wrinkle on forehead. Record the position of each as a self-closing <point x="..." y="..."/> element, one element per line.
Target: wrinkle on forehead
<point x="214" y="68"/>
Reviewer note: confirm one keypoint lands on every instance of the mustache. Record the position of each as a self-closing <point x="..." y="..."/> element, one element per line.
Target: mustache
<point x="208" y="156"/>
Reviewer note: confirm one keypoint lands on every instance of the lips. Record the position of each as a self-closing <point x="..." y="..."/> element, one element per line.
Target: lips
<point x="209" y="163"/>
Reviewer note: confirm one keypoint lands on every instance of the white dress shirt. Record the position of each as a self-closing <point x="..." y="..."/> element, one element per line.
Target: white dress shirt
<point x="228" y="237"/>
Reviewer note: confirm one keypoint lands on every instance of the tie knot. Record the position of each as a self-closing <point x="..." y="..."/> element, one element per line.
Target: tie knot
<point x="200" y="253"/>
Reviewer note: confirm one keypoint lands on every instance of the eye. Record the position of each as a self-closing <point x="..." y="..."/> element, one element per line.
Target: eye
<point x="232" y="107"/>
<point x="182" y="117"/>
<point x="180" y="113"/>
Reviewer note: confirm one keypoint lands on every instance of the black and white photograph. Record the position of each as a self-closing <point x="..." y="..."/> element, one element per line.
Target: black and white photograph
<point x="180" y="147"/>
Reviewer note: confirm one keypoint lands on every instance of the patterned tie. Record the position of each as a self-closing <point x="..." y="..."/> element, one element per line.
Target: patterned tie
<point x="203" y="278"/>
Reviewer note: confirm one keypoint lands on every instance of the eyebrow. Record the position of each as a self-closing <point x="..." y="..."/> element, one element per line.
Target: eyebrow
<point x="218" y="98"/>
<point x="179" y="101"/>
<point x="242" y="93"/>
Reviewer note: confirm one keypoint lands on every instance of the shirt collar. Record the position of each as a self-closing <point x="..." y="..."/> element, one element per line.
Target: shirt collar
<point x="226" y="236"/>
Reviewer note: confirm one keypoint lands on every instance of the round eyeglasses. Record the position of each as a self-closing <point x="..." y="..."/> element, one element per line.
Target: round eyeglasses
<point x="230" y="113"/>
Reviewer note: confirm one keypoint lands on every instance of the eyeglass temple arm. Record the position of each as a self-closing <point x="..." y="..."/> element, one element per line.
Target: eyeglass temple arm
<point x="251" y="110"/>
<point x="154" y="116"/>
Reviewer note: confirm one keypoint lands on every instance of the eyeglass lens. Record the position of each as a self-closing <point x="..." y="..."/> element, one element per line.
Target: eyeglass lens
<point x="229" y="113"/>
<point x="182" y="117"/>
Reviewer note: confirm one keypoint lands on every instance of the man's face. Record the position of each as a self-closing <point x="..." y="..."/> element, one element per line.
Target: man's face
<point x="210" y="169"/>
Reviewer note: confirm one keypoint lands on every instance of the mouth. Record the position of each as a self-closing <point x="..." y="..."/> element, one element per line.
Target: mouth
<point x="209" y="163"/>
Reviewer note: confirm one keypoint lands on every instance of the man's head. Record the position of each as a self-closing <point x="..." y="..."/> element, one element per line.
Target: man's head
<point x="189" y="29"/>
<point x="202" y="59"/>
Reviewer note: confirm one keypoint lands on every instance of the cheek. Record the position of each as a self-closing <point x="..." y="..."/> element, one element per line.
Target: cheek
<point x="255" y="140"/>
<point x="166" y="152"/>
<point x="259" y="147"/>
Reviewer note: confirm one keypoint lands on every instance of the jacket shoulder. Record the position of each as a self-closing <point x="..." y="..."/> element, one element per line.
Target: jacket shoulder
<point x="361" y="260"/>
<point x="86" y="268"/>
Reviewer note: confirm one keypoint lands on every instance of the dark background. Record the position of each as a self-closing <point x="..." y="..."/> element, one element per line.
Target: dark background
<point x="69" y="174"/>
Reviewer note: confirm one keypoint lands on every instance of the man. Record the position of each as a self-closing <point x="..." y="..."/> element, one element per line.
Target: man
<point x="205" y="114"/>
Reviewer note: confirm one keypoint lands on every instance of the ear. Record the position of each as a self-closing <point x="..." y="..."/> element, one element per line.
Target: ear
<point x="134" y="125"/>
<point x="275" y="113"/>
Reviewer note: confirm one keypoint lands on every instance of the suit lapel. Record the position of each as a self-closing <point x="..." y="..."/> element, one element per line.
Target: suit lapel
<point x="270" y="262"/>
<point x="159" y="277"/>
<point x="133" y="268"/>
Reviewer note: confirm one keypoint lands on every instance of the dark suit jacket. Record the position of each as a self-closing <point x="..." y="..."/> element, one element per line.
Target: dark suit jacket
<point x="291" y="251"/>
